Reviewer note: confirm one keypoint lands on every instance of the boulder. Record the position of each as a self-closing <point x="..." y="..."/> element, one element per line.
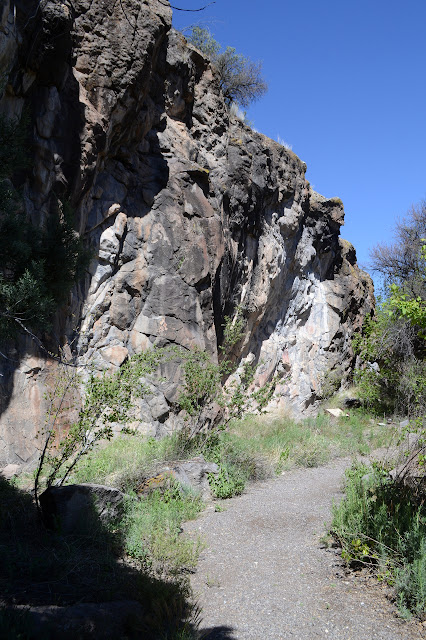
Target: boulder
<point x="189" y="473"/>
<point x="10" y="471"/>
<point x="76" y="508"/>
<point x="351" y="403"/>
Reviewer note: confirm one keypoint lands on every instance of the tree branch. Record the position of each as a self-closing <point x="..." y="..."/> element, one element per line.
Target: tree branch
<point x="192" y="10"/>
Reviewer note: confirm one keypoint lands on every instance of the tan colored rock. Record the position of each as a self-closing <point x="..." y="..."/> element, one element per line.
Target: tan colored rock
<point x="10" y="471"/>
<point x="116" y="355"/>
<point x="336" y="413"/>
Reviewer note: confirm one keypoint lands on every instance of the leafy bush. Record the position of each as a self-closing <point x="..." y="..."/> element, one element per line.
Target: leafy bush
<point x="392" y="377"/>
<point x="240" y="78"/>
<point x="392" y="347"/>
<point x="379" y="523"/>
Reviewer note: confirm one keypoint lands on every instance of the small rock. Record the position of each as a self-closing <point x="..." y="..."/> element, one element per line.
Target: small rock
<point x="351" y="403"/>
<point x="336" y="412"/>
<point x="10" y="471"/>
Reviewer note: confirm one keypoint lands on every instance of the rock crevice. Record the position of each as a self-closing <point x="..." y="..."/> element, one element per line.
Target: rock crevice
<point x="188" y="211"/>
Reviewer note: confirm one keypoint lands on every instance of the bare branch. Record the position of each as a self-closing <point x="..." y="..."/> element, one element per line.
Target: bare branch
<point x="191" y="10"/>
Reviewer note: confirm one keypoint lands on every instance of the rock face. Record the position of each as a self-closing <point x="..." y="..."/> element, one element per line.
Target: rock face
<point x="189" y="212"/>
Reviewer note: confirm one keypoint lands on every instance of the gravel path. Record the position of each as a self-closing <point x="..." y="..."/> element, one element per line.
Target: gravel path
<point x="265" y="576"/>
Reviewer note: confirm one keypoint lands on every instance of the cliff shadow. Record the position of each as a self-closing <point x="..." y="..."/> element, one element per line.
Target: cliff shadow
<point x="218" y="633"/>
<point x="78" y="586"/>
<point x="49" y="100"/>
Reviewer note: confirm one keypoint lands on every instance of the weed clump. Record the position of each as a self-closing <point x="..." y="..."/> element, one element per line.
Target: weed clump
<point x="382" y="525"/>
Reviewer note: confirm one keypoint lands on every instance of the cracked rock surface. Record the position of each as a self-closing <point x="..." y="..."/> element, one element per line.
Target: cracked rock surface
<point x="189" y="213"/>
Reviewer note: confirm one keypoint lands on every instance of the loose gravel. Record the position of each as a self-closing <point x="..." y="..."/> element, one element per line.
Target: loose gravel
<point x="266" y="576"/>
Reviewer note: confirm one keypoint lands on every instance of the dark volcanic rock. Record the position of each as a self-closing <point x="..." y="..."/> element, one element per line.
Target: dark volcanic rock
<point x="188" y="211"/>
<point x="75" y="508"/>
<point x="84" y="621"/>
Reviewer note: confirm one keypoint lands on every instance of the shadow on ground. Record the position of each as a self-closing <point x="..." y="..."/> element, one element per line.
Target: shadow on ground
<point x="78" y="586"/>
<point x="218" y="633"/>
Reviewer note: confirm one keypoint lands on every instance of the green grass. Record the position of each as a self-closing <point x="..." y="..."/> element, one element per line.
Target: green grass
<point x="128" y="458"/>
<point x="152" y="527"/>
<point x="250" y="449"/>
<point x="285" y="443"/>
<point x="381" y="524"/>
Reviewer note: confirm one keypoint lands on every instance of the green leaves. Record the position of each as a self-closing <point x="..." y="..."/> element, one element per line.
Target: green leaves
<point x="204" y="41"/>
<point x="407" y="307"/>
<point x="240" y="78"/>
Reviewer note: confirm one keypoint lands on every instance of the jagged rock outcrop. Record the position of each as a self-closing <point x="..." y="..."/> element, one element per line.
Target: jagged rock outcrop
<point x="189" y="212"/>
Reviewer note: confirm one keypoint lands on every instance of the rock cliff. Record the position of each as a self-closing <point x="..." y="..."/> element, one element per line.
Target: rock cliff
<point x="189" y="212"/>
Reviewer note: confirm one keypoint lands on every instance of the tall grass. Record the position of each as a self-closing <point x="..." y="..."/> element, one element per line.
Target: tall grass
<point x="250" y="449"/>
<point x="286" y="443"/>
<point x="152" y="527"/>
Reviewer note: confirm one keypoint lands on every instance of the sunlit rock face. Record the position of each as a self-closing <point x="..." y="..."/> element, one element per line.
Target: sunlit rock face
<point x="188" y="211"/>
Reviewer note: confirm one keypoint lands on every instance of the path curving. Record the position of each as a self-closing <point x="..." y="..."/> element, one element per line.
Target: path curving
<point x="265" y="576"/>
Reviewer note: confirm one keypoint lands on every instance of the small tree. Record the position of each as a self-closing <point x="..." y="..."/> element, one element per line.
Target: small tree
<point x="402" y="261"/>
<point x="240" y="78"/>
<point x="395" y="339"/>
<point x="204" y="41"/>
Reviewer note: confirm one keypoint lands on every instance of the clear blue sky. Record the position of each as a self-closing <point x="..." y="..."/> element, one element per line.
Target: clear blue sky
<point x="347" y="89"/>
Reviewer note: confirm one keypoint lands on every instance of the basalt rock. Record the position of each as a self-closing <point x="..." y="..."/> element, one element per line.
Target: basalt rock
<point x="188" y="211"/>
<point x="78" y="508"/>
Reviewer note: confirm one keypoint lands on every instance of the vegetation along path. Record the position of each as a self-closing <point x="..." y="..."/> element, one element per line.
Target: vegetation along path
<point x="266" y="576"/>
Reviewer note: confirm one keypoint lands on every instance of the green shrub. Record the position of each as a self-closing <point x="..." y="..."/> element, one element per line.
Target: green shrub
<point x="395" y="339"/>
<point x="152" y="527"/>
<point x="240" y="78"/>
<point x="397" y="382"/>
<point x="379" y="523"/>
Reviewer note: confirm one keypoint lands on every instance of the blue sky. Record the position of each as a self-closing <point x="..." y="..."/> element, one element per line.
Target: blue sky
<point x="347" y="89"/>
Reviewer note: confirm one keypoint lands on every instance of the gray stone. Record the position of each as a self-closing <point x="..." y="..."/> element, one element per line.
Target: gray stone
<point x="10" y="471"/>
<point x="189" y="213"/>
<point x="189" y="473"/>
<point x="194" y="473"/>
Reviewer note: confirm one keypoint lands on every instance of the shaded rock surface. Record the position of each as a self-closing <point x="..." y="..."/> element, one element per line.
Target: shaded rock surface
<point x="74" y="508"/>
<point x="188" y="211"/>
<point x="106" y="620"/>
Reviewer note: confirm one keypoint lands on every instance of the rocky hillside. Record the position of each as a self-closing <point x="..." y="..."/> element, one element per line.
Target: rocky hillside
<point x="188" y="211"/>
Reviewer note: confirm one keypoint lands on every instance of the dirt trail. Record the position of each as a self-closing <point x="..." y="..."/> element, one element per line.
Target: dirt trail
<point x="265" y="576"/>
